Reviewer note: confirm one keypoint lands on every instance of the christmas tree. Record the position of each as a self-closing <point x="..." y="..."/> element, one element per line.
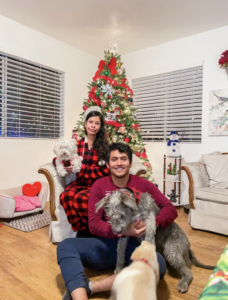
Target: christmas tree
<point x="111" y="91"/>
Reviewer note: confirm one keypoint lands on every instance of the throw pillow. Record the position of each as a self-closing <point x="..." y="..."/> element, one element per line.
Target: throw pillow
<point x="213" y="153"/>
<point x="31" y="190"/>
<point x="217" y="169"/>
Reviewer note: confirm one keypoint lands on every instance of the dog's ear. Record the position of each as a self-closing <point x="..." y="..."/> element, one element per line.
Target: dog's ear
<point x="56" y="148"/>
<point x="128" y="201"/>
<point x="102" y="203"/>
<point x="136" y="254"/>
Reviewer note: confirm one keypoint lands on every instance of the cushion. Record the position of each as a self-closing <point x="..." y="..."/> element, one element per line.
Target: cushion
<point x="217" y="169"/>
<point x="31" y="190"/>
<point x="213" y="153"/>
<point x="24" y="203"/>
<point x="212" y="201"/>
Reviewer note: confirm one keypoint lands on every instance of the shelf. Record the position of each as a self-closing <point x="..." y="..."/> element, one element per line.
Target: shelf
<point x="172" y="180"/>
<point x="176" y="184"/>
<point x="176" y="204"/>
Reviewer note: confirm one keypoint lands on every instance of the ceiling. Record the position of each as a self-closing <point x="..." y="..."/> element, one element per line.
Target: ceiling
<point x="90" y="25"/>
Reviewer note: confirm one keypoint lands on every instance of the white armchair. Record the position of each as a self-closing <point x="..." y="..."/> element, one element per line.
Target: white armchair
<point x="208" y="204"/>
<point x="60" y="229"/>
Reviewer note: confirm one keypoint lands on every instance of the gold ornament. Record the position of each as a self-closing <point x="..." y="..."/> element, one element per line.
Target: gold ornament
<point x="149" y="169"/>
<point x="134" y="137"/>
<point x="114" y="138"/>
<point x="119" y="64"/>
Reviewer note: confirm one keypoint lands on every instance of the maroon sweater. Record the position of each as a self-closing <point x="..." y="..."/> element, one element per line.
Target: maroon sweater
<point x="97" y="221"/>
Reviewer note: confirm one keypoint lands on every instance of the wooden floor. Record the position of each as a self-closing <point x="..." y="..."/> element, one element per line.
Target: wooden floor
<point x="28" y="267"/>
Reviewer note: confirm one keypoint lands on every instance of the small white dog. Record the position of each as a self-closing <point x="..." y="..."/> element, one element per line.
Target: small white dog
<point x="140" y="279"/>
<point x="66" y="150"/>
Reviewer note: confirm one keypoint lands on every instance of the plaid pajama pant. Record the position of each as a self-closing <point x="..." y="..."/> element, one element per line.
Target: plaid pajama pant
<point x="74" y="200"/>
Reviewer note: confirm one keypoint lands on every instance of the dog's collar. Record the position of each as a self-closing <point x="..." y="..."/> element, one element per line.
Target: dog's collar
<point x="143" y="260"/>
<point x="136" y="193"/>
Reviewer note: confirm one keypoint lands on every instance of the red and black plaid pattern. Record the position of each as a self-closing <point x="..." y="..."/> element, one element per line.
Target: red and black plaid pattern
<point x="136" y="193"/>
<point x="90" y="171"/>
<point x="75" y="197"/>
<point x="74" y="200"/>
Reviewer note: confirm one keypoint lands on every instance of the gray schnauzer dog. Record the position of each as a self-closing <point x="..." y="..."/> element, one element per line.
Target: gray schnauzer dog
<point x="121" y="209"/>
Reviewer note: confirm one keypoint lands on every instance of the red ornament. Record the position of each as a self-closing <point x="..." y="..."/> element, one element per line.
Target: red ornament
<point x="147" y="164"/>
<point x="75" y="136"/>
<point x="135" y="126"/>
<point x="89" y="100"/>
<point x="137" y="154"/>
<point x="107" y="134"/>
<point x="109" y="96"/>
<point x="84" y="107"/>
<point x="143" y="155"/>
<point x="126" y="140"/>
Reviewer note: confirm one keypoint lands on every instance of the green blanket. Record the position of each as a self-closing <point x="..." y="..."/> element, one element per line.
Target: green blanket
<point x="217" y="286"/>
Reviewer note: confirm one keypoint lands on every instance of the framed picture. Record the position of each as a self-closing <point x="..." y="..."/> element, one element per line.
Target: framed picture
<point x="218" y="112"/>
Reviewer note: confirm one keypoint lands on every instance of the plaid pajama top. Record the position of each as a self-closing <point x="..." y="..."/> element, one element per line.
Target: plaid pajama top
<point x="75" y="197"/>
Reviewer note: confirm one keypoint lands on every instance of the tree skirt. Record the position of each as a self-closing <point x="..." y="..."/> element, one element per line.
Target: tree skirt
<point x="30" y="223"/>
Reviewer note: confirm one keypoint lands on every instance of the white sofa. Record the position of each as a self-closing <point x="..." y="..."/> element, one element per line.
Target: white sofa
<point x="7" y="202"/>
<point x="60" y="229"/>
<point x="208" y="201"/>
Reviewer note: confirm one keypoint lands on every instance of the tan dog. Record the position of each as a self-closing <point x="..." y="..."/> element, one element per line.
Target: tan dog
<point x="140" y="279"/>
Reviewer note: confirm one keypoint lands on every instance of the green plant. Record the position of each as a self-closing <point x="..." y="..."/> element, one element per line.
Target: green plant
<point x="172" y="170"/>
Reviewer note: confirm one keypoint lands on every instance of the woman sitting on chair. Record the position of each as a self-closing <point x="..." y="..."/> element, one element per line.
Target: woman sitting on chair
<point x="93" y="149"/>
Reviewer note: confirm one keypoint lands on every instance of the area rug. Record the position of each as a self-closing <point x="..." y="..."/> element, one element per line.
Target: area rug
<point x="30" y="223"/>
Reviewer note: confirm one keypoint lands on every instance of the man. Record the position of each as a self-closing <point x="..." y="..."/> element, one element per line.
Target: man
<point x="99" y="252"/>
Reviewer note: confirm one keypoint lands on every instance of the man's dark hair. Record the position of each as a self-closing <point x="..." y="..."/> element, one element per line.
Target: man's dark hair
<point x="122" y="148"/>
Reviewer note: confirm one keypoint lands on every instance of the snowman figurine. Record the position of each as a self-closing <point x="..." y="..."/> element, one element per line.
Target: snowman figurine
<point x="173" y="148"/>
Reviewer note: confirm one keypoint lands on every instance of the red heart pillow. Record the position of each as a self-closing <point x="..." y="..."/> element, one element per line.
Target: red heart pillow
<point x="31" y="190"/>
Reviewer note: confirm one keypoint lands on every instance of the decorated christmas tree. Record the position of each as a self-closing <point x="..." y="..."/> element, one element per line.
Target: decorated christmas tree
<point x="111" y="91"/>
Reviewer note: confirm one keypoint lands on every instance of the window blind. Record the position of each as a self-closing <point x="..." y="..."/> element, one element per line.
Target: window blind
<point x="170" y="101"/>
<point x="31" y="99"/>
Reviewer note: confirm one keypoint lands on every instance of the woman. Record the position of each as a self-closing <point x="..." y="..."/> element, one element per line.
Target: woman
<point x="93" y="149"/>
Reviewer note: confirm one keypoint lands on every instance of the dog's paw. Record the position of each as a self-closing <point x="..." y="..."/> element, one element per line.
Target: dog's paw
<point x="76" y="166"/>
<point x="62" y="173"/>
<point x="117" y="270"/>
<point x="182" y="287"/>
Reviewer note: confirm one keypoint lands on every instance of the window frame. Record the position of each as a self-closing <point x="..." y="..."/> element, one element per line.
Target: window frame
<point x="144" y="106"/>
<point x="32" y="95"/>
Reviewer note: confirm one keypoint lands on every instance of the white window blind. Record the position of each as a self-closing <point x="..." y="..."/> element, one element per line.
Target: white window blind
<point x="168" y="102"/>
<point x="31" y="99"/>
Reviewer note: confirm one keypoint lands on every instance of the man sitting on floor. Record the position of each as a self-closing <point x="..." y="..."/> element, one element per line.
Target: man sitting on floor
<point x="99" y="252"/>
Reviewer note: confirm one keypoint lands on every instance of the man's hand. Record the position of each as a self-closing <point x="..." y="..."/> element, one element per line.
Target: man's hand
<point x="68" y="168"/>
<point x="136" y="229"/>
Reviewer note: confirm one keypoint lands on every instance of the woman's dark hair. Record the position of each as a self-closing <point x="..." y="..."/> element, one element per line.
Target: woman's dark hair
<point x="100" y="144"/>
<point x="122" y="148"/>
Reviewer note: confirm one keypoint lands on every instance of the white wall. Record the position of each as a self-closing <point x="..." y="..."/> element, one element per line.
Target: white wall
<point x="187" y="52"/>
<point x="21" y="158"/>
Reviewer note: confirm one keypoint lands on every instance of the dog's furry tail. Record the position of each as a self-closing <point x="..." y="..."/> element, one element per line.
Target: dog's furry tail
<point x="198" y="263"/>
